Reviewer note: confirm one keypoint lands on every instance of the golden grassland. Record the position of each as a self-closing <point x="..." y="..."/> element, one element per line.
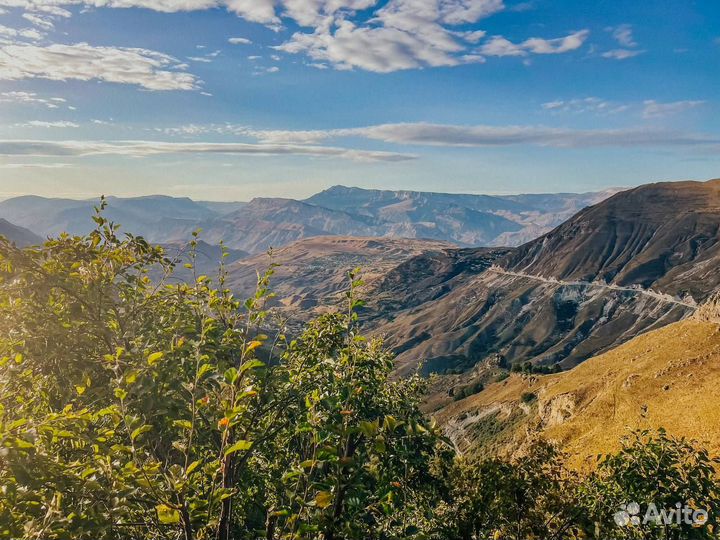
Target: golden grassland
<point x="667" y="378"/>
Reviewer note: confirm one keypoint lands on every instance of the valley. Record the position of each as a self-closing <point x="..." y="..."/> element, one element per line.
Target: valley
<point x="488" y="322"/>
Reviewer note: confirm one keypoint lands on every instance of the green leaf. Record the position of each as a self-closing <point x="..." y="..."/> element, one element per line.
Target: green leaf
<point x="167" y="515"/>
<point x="184" y="424"/>
<point x="194" y="465"/>
<point x="231" y="375"/>
<point x="252" y="364"/>
<point x="139" y="431"/>
<point x="239" y="447"/>
<point x="204" y="369"/>
<point x="120" y="393"/>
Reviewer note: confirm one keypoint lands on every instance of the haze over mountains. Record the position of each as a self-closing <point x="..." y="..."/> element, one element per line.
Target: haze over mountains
<point x="615" y="267"/>
<point x="465" y="220"/>
<point x="18" y="235"/>
<point x="640" y="260"/>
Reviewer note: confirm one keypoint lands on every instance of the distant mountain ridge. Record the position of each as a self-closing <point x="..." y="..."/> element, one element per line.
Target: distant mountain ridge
<point x="464" y="220"/>
<point x="640" y="260"/>
<point x="571" y="293"/>
<point x="18" y="235"/>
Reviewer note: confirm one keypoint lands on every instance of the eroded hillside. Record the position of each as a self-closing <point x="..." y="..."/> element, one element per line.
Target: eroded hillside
<point x="667" y="378"/>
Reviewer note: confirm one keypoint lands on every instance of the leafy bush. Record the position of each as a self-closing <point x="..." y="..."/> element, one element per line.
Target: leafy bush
<point x="140" y="408"/>
<point x="136" y="406"/>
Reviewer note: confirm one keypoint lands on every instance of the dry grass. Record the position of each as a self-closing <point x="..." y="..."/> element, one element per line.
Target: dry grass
<point x="667" y="378"/>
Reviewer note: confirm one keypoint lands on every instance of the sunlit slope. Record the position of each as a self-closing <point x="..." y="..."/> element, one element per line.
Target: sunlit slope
<point x="666" y="378"/>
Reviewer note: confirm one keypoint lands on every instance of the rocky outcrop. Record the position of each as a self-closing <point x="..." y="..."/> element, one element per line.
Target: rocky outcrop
<point x="710" y="310"/>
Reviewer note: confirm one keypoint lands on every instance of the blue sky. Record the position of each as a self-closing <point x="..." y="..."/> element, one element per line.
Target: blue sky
<point x="231" y="99"/>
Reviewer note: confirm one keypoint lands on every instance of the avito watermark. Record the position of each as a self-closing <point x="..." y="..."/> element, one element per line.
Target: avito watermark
<point x="681" y="514"/>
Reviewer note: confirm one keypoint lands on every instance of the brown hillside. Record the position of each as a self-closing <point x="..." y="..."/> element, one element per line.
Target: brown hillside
<point x="667" y="378"/>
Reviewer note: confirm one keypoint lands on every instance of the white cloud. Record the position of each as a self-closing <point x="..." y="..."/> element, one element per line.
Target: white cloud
<point x="585" y="105"/>
<point x="500" y="46"/>
<point x="46" y="124"/>
<point x="239" y="41"/>
<point x="273" y="69"/>
<point x="623" y="34"/>
<point x="149" y="69"/>
<point x="37" y="20"/>
<point x="425" y="134"/>
<point x="42" y="148"/>
<point x="557" y="46"/>
<point x="30" y="98"/>
<point x="391" y="35"/>
<point x="621" y="54"/>
<point x="409" y="34"/>
<point x="260" y="11"/>
<point x="22" y="33"/>
<point x="654" y="109"/>
<point x="34" y="165"/>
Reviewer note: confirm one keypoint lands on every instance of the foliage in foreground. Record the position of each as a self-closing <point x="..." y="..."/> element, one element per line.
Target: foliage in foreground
<point x="133" y="406"/>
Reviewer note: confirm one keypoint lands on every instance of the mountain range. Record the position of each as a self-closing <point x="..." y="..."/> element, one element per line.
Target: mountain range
<point x="612" y="290"/>
<point x="255" y="226"/>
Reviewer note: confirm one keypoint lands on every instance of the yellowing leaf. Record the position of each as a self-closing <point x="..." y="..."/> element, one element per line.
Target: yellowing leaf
<point x="155" y="357"/>
<point x="253" y="345"/>
<point x="184" y="424"/>
<point x="323" y="499"/>
<point x="167" y="515"/>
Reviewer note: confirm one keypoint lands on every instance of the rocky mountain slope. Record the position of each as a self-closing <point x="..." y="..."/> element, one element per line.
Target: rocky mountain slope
<point x="638" y="261"/>
<point x="465" y="220"/>
<point x="667" y="378"/>
<point x="311" y="274"/>
<point x="664" y="236"/>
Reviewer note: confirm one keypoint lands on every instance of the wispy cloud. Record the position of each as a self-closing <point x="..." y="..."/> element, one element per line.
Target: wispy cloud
<point x="410" y="34"/>
<point x="35" y="165"/>
<point x="655" y="109"/>
<point x="46" y="124"/>
<point x="149" y="69"/>
<point x="621" y="54"/>
<point x="391" y="36"/>
<point x="31" y="98"/>
<point x="593" y="105"/>
<point x="623" y="35"/>
<point x="42" y="148"/>
<point x="500" y="46"/>
<point x="43" y="22"/>
<point x="426" y="134"/>
<point x="23" y="33"/>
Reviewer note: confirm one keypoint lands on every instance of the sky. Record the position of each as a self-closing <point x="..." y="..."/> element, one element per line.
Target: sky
<point x="233" y="99"/>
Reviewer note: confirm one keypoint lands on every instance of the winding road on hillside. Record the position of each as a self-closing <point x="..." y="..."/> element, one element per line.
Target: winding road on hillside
<point x="645" y="292"/>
